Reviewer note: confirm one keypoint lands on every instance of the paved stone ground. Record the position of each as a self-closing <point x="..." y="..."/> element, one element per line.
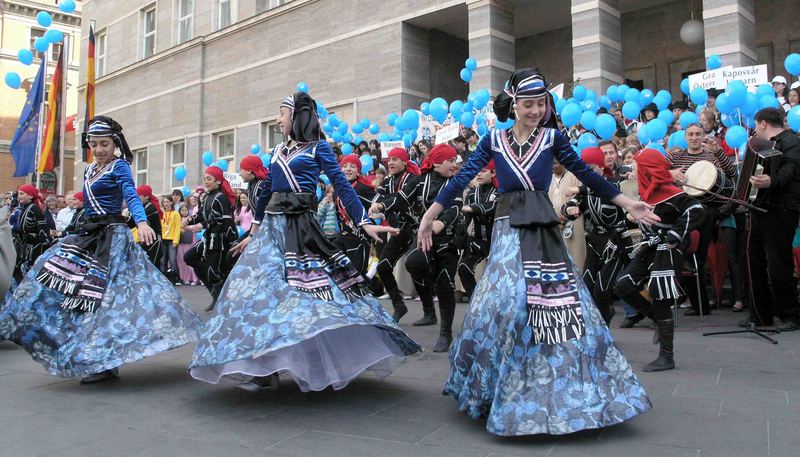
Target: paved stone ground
<point x="731" y="396"/>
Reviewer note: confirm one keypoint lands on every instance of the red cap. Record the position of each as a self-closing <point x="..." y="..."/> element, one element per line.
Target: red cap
<point x="254" y="164"/>
<point x="440" y="153"/>
<point x="78" y="196"/>
<point x="594" y="156"/>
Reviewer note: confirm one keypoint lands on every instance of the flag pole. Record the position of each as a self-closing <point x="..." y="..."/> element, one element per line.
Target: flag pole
<point x="42" y="121"/>
<point x="62" y="134"/>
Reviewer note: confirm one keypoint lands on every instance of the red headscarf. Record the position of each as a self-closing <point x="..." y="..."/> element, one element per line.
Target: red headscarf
<point x="655" y="181"/>
<point x="594" y="156"/>
<point x="400" y="153"/>
<point x="146" y="191"/>
<point x="254" y="164"/>
<point x="33" y="192"/>
<point x="491" y="167"/>
<point x="440" y="153"/>
<point x="352" y="159"/>
<point x="224" y="186"/>
<point x="78" y="196"/>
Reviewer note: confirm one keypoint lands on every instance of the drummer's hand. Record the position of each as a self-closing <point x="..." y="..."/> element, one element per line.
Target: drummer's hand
<point x="761" y="181"/>
<point x="466" y="209"/>
<point x="146" y="234"/>
<point x="374" y="230"/>
<point x="678" y="176"/>
<point x="573" y="211"/>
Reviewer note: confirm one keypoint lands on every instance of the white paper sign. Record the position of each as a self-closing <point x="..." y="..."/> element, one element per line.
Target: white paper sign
<point x="235" y="180"/>
<point x="752" y="76"/>
<point x="387" y="146"/>
<point x="448" y="132"/>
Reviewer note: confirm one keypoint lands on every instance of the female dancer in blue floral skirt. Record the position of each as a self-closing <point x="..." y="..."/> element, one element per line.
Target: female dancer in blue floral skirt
<point x="294" y="302"/>
<point x="534" y="355"/>
<point x="94" y="301"/>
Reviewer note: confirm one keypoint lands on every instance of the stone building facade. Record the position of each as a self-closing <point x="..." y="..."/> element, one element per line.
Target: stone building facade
<point x="188" y="76"/>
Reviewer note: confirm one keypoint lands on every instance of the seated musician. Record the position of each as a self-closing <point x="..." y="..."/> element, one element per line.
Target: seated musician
<point x="701" y="147"/>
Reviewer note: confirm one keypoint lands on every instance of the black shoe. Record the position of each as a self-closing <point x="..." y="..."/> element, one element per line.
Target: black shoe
<point x="271" y="382"/>
<point x="210" y="307"/>
<point x="428" y="319"/>
<point x="789" y="325"/>
<point x="443" y="343"/>
<point x="95" y="378"/>
<point x="693" y="312"/>
<point x="750" y="321"/>
<point x="631" y="321"/>
<point x="659" y="364"/>
<point x="398" y="304"/>
<point x="666" y="336"/>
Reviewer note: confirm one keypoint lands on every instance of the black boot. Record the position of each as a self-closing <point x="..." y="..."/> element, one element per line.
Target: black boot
<point x="631" y="321"/>
<point x="447" y="310"/>
<point x="666" y="335"/>
<point x="429" y="311"/>
<point x="398" y="304"/>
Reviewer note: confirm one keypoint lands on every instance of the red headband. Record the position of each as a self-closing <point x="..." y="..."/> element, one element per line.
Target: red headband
<point x="400" y="153"/>
<point x="352" y="159"/>
<point x="491" y="167"/>
<point x="225" y="186"/>
<point x="146" y="191"/>
<point x="33" y="192"/>
<point x="594" y="156"/>
<point x="255" y="165"/>
<point x="440" y="153"/>
<point x="78" y="196"/>
<point x="655" y="180"/>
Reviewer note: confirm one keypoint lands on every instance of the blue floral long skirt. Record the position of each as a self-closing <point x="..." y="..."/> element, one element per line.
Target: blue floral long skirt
<point x="261" y="325"/>
<point x="523" y="388"/>
<point x="141" y="315"/>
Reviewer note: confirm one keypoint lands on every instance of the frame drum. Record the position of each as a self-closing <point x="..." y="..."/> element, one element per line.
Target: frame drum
<point x="704" y="176"/>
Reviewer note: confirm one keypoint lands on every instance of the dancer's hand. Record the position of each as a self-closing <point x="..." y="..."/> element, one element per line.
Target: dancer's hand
<point x="438" y="226"/>
<point x="374" y="230"/>
<point x="146" y="234"/>
<point x="242" y="245"/>
<point x="426" y="228"/>
<point x="376" y="208"/>
<point x="641" y="212"/>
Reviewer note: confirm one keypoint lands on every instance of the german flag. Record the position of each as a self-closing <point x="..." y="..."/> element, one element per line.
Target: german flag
<point x="50" y="157"/>
<point x="90" y="74"/>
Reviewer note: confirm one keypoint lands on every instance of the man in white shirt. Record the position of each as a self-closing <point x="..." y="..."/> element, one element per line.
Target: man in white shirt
<point x="65" y="214"/>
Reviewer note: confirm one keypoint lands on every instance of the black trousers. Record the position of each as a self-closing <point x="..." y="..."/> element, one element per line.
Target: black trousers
<point x="356" y="249"/>
<point x="707" y="234"/>
<point x="391" y="253"/>
<point x="154" y="252"/>
<point x="603" y="299"/>
<point x="435" y="272"/>
<point x="211" y="266"/>
<point x="476" y="250"/>
<point x="736" y="244"/>
<point x="773" y="287"/>
<point x="633" y="279"/>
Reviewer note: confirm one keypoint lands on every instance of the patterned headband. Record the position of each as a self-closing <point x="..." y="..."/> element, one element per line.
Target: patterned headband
<point x="100" y="128"/>
<point x="531" y="87"/>
<point x="288" y="102"/>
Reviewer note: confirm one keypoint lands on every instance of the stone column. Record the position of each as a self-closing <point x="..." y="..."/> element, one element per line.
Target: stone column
<point x="596" y="44"/>
<point x="730" y="31"/>
<point x="491" y="43"/>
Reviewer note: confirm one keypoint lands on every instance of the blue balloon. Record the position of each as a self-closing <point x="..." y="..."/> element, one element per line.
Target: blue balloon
<point x="471" y="99"/>
<point x="792" y="64"/>
<point x="737" y="93"/>
<point x="678" y="140"/>
<point x="764" y="89"/>
<point x="336" y="137"/>
<point x="456" y="108"/>
<point x="44" y="19"/>
<point x="605" y="102"/>
<point x="687" y="118"/>
<point x="400" y="124"/>
<point x="736" y="136"/>
<point x="357" y="128"/>
<point x="41" y="44"/>
<point x="571" y="114"/>
<point x="621" y="90"/>
<point x="347" y="138"/>
<point x="504" y="125"/>
<point x="749" y="121"/>
<point x="366" y="164"/>
<point x="685" y="86"/>
<point x="265" y="159"/>
<point x="186" y="191"/>
<point x="729" y="120"/>
<point x="482" y="98"/>
<point x="222" y="164"/>
<point x="54" y="36"/>
<point x="25" y="56"/>
<point x="385" y="137"/>
<point x="605" y="126"/>
<point x="713" y="62"/>
<point x="589" y="105"/>
<point x="365" y="123"/>
<point x="334" y="120"/>
<point x="302" y="87"/>
<point x="374" y="129"/>
<point x="632" y="95"/>
<point x="327" y="128"/>
<point x="439" y="109"/>
<point x="657" y="147"/>
<point x="483" y="129"/>
<point x="208" y="158"/>
<point x="590" y="95"/>
<point x="468" y="107"/>
<point x="723" y="105"/>
<point x="408" y="140"/>
<point x="324" y="178"/>
<point x="656" y="129"/>
<point x="750" y="104"/>
<point x="560" y="104"/>
<point x="666" y="116"/>
<point x="588" y="120"/>
<point x="631" y="110"/>
<point x="396" y="137"/>
<point x="579" y="92"/>
<point x="587" y="140"/>
<point x="471" y="64"/>
<point x="67" y="6"/>
<point x="180" y="173"/>
<point x="358" y="140"/>
<point x="13" y="80"/>
<point x="641" y="134"/>
<point x="342" y="127"/>
<point x="347" y="149"/>
<point x="467" y="119"/>
<point x="411" y="119"/>
<point x="391" y="119"/>
<point x="664" y="94"/>
<point x="793" y="118"/>
<point x="611" y="93"/>
<point x="699" y="109"/>
<point x="255" y="148"/>
<point x="768" y="101"/>
<point x="646" y="96"/>
<point x="466" y="75"/>
<point x="698" y="96"/>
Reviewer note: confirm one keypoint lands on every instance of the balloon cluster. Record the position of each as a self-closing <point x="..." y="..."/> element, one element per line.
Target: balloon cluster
<point x="469" y="66"/>
<point x="41" y="44"/>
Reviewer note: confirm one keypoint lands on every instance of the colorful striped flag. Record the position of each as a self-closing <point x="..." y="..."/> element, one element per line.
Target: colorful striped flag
<point x="50" y="156"/>
<point x="90" y="73"/>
